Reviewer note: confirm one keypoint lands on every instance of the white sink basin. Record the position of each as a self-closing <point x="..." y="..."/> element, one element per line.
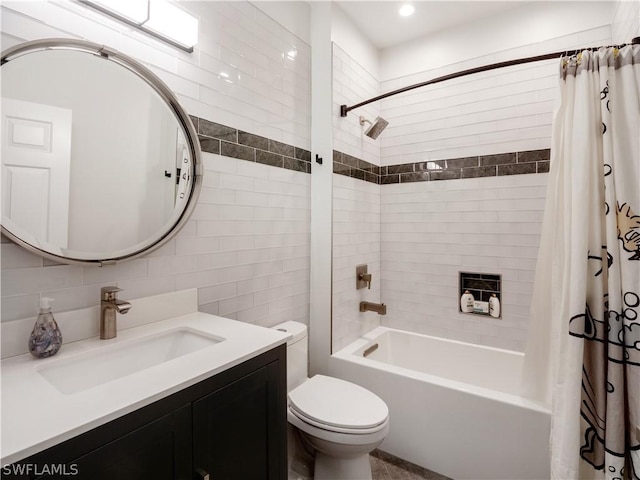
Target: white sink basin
<point x="84" y="371"/>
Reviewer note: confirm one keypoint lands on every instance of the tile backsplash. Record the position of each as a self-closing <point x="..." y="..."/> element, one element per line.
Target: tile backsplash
<point x="626" y="21"/>
<point x="433" y="230"/>
<point x="239" y="73"/>
<point x="497" y="111"/>
<point x="485" y="135"/>
<point x="356" y="241"/>
<point x="246" y="246"/>
<point x="352" y="83"/>
<point x="487" y="220"/>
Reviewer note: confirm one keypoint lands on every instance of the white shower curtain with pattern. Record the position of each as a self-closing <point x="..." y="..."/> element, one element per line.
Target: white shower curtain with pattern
<point x="583" y="348"/>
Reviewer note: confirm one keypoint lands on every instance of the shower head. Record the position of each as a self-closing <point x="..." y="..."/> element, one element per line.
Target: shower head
<point x="376" y="127"/>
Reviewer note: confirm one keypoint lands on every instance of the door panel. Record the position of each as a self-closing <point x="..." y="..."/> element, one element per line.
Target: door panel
<point x="36" y="164"/>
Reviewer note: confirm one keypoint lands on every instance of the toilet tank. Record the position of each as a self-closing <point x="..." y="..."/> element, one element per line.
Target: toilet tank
<point x="297" y="353"/>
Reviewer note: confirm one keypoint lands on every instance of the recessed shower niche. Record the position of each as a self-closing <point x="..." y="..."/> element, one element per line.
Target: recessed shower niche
<point x="483" y="287"/>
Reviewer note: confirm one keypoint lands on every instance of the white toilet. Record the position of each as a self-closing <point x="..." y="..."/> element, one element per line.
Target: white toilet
<point x="340" y="420"/>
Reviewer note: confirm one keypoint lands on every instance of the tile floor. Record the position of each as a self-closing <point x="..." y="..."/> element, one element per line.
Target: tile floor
<point x="387" y="467"/>
<point x="384" y="466"/>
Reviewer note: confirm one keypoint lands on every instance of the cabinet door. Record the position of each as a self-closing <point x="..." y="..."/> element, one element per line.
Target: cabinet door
<point x="238" y="432"/>
<point x="159" y="450"/>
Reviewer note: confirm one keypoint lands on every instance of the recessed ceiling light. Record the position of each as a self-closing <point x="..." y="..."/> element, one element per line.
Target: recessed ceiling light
<point x="406" y="10"/>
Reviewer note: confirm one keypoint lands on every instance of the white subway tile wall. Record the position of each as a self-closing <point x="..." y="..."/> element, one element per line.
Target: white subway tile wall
<point x="243" y="72"/>
<point x="246" y="247"/>
<point x="261" y="272"/>
<point x="504" y="110"/>
<point x="356" y="241"/>
<point x="433" y="230"/>
<point x="246" y="250"/>
<point x="626" y="21"/>
<point x="356" y="204"/>
<point x="352" y="84"/>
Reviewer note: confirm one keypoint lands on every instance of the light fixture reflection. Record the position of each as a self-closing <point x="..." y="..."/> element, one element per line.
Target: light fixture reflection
<point x="291" y="54"/>
<point x="225" y="76"/>
<point x="406" y="10"/>
<point x="160" y="18"/>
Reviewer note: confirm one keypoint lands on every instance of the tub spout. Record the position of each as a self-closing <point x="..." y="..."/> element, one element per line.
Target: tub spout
<point x="379" y="308"/>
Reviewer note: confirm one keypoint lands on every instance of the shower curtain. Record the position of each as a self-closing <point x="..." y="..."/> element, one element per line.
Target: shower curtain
<point x="583" y="348"/>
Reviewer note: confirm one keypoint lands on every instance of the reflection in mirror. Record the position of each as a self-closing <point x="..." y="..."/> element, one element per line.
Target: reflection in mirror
<point x="99" y="162"/>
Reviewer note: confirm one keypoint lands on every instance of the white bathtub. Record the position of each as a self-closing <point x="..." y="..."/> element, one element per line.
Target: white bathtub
<point x="454" y="406"/>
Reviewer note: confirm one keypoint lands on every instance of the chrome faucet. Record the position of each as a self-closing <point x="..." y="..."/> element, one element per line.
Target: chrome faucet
<point x="379" y="308"/>
<point x="109" y="306"/>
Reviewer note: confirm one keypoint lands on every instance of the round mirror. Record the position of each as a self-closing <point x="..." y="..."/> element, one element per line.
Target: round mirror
<point x="100" y="163"/>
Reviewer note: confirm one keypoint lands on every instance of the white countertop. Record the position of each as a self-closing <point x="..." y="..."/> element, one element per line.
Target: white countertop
<point x="36" y="416"/>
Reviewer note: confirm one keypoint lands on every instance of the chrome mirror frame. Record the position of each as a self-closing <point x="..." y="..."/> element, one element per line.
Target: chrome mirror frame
<point x="167" y="96"/>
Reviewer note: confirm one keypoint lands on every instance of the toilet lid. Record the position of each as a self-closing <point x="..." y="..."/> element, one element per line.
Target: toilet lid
<point x="338" y="403"/>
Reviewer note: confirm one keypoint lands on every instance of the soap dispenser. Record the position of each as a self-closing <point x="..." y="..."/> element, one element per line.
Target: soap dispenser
<point x="45" y="339"/>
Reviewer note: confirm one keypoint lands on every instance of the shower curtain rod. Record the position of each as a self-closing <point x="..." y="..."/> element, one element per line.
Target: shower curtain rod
<point x="549" y="56"/>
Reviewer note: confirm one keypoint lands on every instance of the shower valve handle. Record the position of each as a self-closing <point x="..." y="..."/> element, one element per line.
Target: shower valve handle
<point x="365" y="277"/>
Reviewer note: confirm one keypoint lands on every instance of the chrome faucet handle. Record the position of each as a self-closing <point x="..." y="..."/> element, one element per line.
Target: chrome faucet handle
<point x="108" y="294"/>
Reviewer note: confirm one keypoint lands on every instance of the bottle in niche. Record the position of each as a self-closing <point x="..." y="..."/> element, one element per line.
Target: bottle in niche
<point x="494" y="306"/>
<point x="466" y="302"/>
<point x="45" y="339"/>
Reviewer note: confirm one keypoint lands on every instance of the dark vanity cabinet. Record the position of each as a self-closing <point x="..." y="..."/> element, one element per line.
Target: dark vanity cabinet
<point x="229" y="426"/>
<point x="236" y="429"/>
<point x="155" y="450"/>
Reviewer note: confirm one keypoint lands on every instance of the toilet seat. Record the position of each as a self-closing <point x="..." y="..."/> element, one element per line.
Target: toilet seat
<point x="338" y="406"/>
<point x="333" y="429"/>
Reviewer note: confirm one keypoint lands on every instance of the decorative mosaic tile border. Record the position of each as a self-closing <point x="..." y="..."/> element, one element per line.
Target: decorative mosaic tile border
<point x="231" y="142"/>
<point x="515" y="163"/>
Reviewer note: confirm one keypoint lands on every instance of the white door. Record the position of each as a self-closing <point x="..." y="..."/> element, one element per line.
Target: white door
<point x="36" y="160"/>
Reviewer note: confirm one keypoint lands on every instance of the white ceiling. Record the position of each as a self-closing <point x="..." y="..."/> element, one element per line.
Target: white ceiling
<point x="380" y="23"/>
